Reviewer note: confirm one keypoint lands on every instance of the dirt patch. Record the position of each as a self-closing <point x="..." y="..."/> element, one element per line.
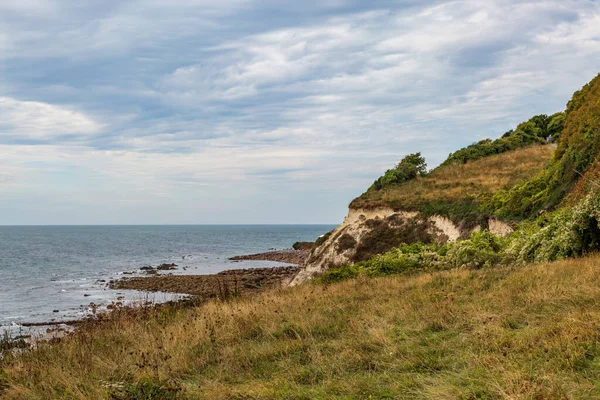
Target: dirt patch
<point x="222" y="285"/>
<point x="287" y="256"/>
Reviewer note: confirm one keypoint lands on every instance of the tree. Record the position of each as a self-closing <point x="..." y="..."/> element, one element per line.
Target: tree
<point x="408" y="168"/>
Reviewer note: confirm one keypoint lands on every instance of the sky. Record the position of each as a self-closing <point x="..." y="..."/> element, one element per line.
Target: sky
<point x="262" y="111"/>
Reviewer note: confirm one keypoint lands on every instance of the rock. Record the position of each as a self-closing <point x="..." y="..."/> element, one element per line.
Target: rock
<point x="289" y="256"/>
<point x="166" y="267"/>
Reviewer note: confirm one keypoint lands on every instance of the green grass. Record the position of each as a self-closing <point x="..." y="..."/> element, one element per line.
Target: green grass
<point x="505" y="333"/>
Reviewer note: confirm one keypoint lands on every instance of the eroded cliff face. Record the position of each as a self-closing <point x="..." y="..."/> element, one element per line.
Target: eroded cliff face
<point x="365" y="233"/>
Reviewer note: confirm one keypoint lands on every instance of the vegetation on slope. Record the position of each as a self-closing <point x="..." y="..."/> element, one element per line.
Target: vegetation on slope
<point x="546" y="188"/>
<point x="537" y="130"/>
<point x="568" y="232"/>
<point x="461" y="191"/>
<point x="514" y="333"/>
<point x="576" y="155"/>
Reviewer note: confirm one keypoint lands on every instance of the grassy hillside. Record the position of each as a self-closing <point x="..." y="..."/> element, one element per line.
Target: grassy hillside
<point x="576" y="155"/>
<point x="535" y="188"/>
<point x="461" y="190"/>
<point x="504" y="333"/>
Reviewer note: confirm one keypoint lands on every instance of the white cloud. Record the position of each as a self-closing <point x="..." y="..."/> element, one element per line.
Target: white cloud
<point x="37" y="120"/>
<point x="215" y="107"/>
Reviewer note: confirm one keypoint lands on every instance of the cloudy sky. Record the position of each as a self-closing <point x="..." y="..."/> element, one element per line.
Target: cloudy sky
<point x="244" y="111"/>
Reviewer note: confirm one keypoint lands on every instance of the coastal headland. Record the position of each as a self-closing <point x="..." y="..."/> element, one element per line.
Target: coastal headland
<point x="478" y="279"/>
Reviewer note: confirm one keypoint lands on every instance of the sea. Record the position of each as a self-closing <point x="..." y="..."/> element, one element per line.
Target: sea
<point x="60" y="273"/>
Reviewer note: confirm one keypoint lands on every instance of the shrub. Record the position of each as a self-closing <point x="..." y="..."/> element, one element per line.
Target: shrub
<point x="482" y="249"/>
<point x="410" y="167"/>
<point x="345" y="242"/>
<point x="339" y="274"/>
<point x="404" y="259"/>
<point x="568" y="232"/>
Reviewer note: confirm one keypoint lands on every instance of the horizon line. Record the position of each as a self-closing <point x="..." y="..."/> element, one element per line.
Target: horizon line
<point x="214" y="224"/>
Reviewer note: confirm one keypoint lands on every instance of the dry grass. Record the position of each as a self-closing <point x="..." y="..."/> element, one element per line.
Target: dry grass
<point x="460" y="181"/>
<point x="506" y="333"/>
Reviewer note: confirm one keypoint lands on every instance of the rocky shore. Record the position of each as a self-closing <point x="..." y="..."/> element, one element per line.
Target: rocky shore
<point x="225" y="284"/>
<point x="289" y="256"/>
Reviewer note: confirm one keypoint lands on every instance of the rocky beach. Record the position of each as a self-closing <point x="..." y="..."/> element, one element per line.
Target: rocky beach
<point x="235" y="282"/>
<point x="222" y="285"/>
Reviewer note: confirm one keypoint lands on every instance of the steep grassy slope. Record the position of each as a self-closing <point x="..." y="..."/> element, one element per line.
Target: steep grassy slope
<point x="576" y="155"/>
<point x="506" y="333"/>
<point x="460" y="191"/>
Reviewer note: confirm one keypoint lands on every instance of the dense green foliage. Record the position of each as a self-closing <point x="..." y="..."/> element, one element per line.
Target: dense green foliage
<point x="537" y="130"/>
<point x="569" y="232"/>
<point x="482" y="249"/>
<point x="577" y="151"/>
<point x="410" y="167"/>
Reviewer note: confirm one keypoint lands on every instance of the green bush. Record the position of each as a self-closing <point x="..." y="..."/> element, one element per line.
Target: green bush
<point x="404" y="259"/>
<point x="482" y="249"/>
<point x="568" y="232"/>
<point x="410" y="167"/>
<point x="340" y="274"/>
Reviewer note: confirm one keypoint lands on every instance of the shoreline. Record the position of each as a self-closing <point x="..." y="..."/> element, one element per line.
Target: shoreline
<point x="224" y="284"/>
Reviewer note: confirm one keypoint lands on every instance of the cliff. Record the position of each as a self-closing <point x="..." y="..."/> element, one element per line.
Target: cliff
<point x="545" y="164"/>
<point x="442" y="206"/>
